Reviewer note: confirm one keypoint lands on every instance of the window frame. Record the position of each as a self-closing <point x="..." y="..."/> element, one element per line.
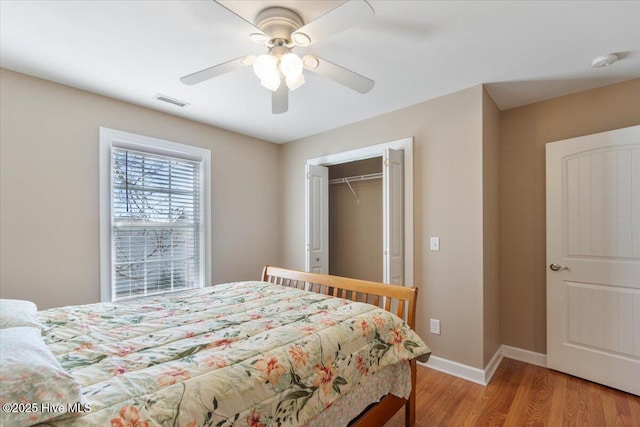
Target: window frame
<point x="110" y="138"/>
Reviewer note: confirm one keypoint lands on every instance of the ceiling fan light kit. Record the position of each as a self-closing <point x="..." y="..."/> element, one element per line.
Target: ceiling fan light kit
<point x="291" y="65"/>
<point x="294" y="84"/>
<point x="278" y="63"/>
<point x="281" y="30"/>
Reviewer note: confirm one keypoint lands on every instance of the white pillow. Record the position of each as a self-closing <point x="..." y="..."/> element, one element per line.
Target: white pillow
<point x="29" y="372"/>
<point x="17" y="312"/>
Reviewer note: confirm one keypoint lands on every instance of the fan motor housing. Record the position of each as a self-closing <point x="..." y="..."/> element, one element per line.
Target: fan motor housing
<point x="278" y="22"/>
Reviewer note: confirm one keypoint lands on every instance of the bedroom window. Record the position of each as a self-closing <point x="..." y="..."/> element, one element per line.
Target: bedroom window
<point x="154" y="216"/>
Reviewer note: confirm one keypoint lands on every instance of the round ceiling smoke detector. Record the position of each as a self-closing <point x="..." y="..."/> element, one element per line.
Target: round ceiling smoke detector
<point x="604" y="60"/>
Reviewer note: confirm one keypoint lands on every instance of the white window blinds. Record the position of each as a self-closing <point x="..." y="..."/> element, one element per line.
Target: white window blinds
<point x="156" y="223"/>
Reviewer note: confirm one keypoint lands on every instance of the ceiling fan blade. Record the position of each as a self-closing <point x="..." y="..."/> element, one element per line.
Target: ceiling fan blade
<point x="216" y="70"/>
<point x="342" y="17"/>
<point x="255" y="33"/>
<point x="335" y="72"/>
<point x="280" y="99"/>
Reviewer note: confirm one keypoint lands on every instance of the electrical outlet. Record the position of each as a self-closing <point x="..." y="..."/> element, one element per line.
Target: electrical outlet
<point x="435" y="326"/>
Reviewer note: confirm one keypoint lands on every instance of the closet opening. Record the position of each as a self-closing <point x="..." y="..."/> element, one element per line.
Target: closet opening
<point x="355" y="219"/>
<point x="373" y="237"/>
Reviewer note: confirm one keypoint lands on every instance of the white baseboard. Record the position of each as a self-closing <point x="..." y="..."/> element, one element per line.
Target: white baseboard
<point x="456" y="369"/>
<point x="493" y="364"/>
<point x="483" y="376"/>
<point x="527" y="356"/>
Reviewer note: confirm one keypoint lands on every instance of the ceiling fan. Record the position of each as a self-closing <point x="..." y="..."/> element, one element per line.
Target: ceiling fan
<point x="281" y="70"/>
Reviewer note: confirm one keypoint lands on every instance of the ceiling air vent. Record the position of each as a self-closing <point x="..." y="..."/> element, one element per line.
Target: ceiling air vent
<point x="170" y="100"/>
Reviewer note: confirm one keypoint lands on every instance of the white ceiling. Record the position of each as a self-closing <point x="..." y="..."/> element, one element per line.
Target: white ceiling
<point x="526" y="51"/>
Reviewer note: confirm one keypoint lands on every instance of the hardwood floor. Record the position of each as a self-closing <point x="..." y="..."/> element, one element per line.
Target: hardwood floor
<point x="519" y="394"/>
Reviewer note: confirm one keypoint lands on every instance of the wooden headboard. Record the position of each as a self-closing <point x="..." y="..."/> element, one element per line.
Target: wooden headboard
<point x="399" y="300"/>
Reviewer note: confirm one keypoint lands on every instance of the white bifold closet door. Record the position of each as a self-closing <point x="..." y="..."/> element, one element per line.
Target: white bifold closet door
<point x="393" y="216"/>
<point x="317" y="219"/>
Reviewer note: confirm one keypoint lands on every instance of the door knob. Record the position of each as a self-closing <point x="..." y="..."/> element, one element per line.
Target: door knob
<point x="317" y="259"/>
<point x="556" y="267"/>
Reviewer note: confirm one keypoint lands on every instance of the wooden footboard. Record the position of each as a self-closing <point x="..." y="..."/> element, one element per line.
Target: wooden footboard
<point x="399" y="300"/>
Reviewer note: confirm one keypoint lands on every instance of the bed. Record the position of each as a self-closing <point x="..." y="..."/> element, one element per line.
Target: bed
<point x="294" y="348"/>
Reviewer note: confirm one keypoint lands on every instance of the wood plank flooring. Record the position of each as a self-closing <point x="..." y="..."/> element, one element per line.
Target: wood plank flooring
<point x="519" y="394"/>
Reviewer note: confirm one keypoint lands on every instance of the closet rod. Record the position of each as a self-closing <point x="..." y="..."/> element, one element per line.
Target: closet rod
<point x="349" y="179"/>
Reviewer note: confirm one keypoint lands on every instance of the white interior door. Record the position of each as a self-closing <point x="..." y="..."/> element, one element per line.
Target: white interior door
<point x="593" y="257"/>
<point x="393" y="216"/>
<point x="317" y="218"/>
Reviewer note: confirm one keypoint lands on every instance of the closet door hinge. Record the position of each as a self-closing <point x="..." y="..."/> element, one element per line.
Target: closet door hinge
<point x="307" y="175"/>
<point x="386" y="162"/>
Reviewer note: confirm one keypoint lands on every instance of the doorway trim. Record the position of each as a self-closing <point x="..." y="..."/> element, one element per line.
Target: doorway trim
<point x="406" y="145"/>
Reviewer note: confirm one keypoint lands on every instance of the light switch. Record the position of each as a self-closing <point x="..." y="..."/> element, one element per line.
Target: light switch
<point x="435" y="326"/>
<point x="435" y="243"/>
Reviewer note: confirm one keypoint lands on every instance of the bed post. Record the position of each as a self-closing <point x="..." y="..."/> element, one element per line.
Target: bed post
<point x="264" y="273"/>
<point x="410" y="407"/>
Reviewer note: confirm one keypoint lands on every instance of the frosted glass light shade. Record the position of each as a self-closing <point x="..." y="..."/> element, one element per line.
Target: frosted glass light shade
<point x="271" y="81"/>
<point x="291" y="66"/>
<point x="265" y="65"/>
<point x="294" y="84"/>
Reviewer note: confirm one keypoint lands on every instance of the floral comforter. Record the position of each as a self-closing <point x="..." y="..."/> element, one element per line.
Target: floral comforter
<point x="248" y="353"/>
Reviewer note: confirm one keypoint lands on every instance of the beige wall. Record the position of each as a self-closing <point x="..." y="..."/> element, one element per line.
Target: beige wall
<point x="49" y="249"/>
<point x="448" y="200"/>
<point x="358" y="167"/>
<point x="491" y="226"/>
<point x="476" y="170"/>
<point x="524" y="132"/>
<point x="355" y="226"/>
